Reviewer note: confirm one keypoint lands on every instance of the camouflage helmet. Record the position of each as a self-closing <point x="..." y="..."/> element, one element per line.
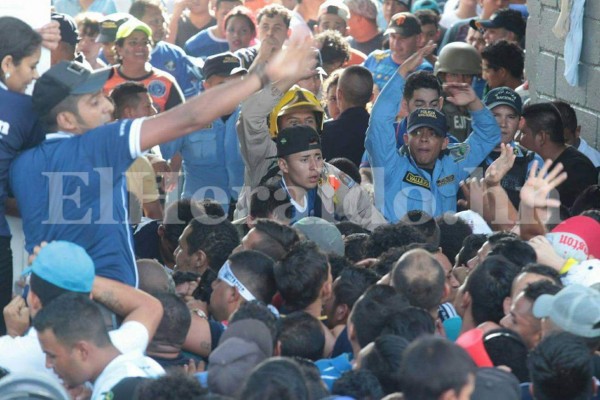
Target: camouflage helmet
<point x="458" y="58"/>
<point x="295" y="98"/>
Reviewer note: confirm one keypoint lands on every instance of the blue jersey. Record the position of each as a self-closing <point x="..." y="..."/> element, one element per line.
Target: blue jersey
<point x="401" y="185"/>
<point x="73" y="7"/>
<point x="205" y="44"/>
<point x="19" y="129"/>
<point x="382" y="66"/>
<point x="186" y="71"/>
<point x="72" y="187"/>
<point x="212" y="163"/>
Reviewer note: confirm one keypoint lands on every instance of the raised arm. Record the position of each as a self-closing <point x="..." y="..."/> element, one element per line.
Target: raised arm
<point x="217" y="101"/>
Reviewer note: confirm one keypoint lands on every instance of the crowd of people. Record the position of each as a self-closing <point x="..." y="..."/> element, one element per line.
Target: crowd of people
<point x="305" y="199"/>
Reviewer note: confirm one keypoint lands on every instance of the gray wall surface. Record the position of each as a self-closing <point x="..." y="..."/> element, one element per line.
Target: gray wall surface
<point x="545" y="64"/>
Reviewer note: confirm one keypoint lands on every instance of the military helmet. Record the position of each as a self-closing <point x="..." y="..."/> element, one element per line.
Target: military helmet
<point x="458" y="58"/>
<point x="295" y="98"/>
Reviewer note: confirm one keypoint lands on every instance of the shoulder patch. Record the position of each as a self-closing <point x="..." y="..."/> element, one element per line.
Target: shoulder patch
<point x="445" y="180"/>
<point x="157" y="88"/>
<point x="459" y="151"/>
<point x="417" y="180"/>
<point x="380" y="55"/>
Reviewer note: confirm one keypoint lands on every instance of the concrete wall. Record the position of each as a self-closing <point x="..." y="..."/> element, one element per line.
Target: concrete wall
<point x="545" y="64"/>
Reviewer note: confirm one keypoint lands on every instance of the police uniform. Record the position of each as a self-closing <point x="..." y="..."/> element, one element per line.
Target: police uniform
<point x="383" y="67"/>
<point x="401" y="185"/>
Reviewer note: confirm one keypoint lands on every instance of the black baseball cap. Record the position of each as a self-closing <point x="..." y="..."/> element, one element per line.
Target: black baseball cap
<point x="109" y="27"/>
<point x="504" y="96"/>
<point x="430" y="118"/>
<point x="68" y="28"/>
<point x="296" y="139"/>
<point x="223" y="64"/>
<point x="509" y="19"/>
<point x="404" y="23"/>
<point x="64" y="79"/>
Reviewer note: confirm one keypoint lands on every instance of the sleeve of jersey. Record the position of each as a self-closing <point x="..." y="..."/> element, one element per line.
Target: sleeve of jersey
<point x="115" y="145"/>
<point x="380" y="141"/>
<point x="132" y="336"/>
<point x="483" y="139"/>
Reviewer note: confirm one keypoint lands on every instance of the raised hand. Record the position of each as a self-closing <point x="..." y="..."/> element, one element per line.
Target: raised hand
<point x="416" y="59"/>
<point x="460" y="94"/>
<point x="50" y="35"/>
<point x="539" y="184"/>
<point x="297" y="60"/>
<point x="500" y="167"/>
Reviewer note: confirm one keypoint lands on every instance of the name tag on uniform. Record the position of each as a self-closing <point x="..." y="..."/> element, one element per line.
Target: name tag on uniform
<point x="445" y="180"/>
<point x="416" y="180"/>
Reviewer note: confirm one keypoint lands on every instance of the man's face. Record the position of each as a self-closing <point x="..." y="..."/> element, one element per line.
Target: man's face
<point x="135" y="50"/>
<point x="144" y="108"/>
<point x="108" y="50"/>
<point x="301" y="116"/>
<point x="219" y="300"/>
<point x="273" y="27"/>
<point x="528" y="138"/>
<point x="302" y="169"/>
<point x="88" y="46"/>
<point x="332" y="22"/>
<point x="93" y="110"/>
<point x="185" y="262"/>
<point x="425" y="98"/>
<point x="329" y="306"/>
<point x="521" y="320"/>
<point x="65" y="361"/>
<point x="451" y="281"/>
<point x="508" y="121"/>
<point x="403" y="47"/>
<point x="331" y="99"/>
<point x="492" y="35"/>
<point x="312" y="84"/>
<point x="493" y="77"/>
<point x="391" y="7"/>
<point x="354" y="23"/>
<point x="425" y="146"/>
<point x="251" y="240"/>
<point x="475" y="39"/>
<point x="155" y="19"/>
<point x="430" y="32"/>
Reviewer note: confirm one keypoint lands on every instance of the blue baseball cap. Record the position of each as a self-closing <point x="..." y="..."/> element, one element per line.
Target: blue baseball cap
<point x="430" y="118"/>
<point x="66" y="265"/>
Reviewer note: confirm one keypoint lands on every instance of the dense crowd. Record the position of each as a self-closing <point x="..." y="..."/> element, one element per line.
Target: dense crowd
<point x="340" y="199"/>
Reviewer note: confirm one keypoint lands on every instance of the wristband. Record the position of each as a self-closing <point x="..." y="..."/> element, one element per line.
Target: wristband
<point x="200" y="313"/>
<point x="568" y="265"/>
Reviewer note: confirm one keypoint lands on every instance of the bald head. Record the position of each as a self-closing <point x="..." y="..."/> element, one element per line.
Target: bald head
<point x="420" y="278"/>
<point x="153" y="278"/>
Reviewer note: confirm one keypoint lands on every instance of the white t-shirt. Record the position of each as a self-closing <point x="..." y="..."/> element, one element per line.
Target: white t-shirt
<point x="299" y="27"/>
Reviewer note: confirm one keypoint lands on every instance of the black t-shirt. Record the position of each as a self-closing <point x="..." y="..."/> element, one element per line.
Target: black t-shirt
<point x="581" y="174"/>
<point x="369" y="46"/>
<point x="146" y="242"/>
<point x="186" y="29"/>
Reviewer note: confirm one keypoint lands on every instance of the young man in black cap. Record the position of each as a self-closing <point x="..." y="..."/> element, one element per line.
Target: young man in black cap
<point x="71" y="186"/>
<point x="212" y="164"/>
<point x="506" y="106"/>
<point x="505" y="24"/>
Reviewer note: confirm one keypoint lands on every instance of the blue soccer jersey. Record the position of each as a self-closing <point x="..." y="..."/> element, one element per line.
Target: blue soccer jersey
<point x="72" y="187"/>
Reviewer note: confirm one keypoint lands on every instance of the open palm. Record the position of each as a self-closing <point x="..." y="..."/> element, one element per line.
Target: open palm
<point x="539" y="184"/>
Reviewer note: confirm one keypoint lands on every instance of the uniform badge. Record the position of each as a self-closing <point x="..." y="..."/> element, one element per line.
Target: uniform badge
<point x="459" y="151"/>
<point x="417" y="180"/>
<point x="157" y="88"/>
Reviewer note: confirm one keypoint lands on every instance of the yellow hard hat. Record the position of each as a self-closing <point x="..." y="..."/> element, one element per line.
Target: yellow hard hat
<point x="295" y="98"/>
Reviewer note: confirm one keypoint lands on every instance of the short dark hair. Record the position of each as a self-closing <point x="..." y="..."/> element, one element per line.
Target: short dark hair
<point x="420" y="278"/>
<point x="515" y="250"/>
<point x="259" y="311"/>
<point x="338" y="263"/>
<point x="312" y="377"/>
<point x="385" y="237"/>
<point x="268" y="201"/>
<point x="255" y="270"/>
<point x="275" y="378"/>
<point x="506" y="347"/>
<point x="489" y="284"/>
<point x="216" y="240"/>
<point x="545" y="117"/>
<point x="371" y="312"/>
<point x="568" y="114"/>
<point x="334" y="48"/>
<point x="358" y="384"/>
<point x="536" y="289"/>
<point x="353" y="282"/>
<point x="453" y="231"/>
<point x="88" y="23"/>
<point x="274" y="10"/>
<point x="410" y="323"/>
<point x="356" y="82"/>
<point x="424" y="223"/>
<point x="561" y="368"/>
<point x="587" y="202"/>
<point x="354" y="246"/>
<point x="126" y="95"/>
<point x="421" y="80"/>
<point x="301" y="335"/>
<point x="387" y="260"/>
<point x="73" y="317"/>
<point x="348" y="228"/>
<point x="300" y="275"/>
<point x="432" y="365"/>
<point x="177" y="216"/>
<point x="138" y="7"/>
<point x="384" y="361"/>
<point x="175" y="323"/>
<point x="470" y="245"/>
<point x="45" y="290"/>
<point x="171" y="386"/>
<point x="346" y="166"/>
<point x="507" y="55"/>
<point x="543" y="270"/>
<point x="19" y="40"/>
<point x="428" y="17"/>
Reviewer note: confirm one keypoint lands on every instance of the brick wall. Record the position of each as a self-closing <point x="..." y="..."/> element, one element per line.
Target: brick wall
<point x="545" y="64"/>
